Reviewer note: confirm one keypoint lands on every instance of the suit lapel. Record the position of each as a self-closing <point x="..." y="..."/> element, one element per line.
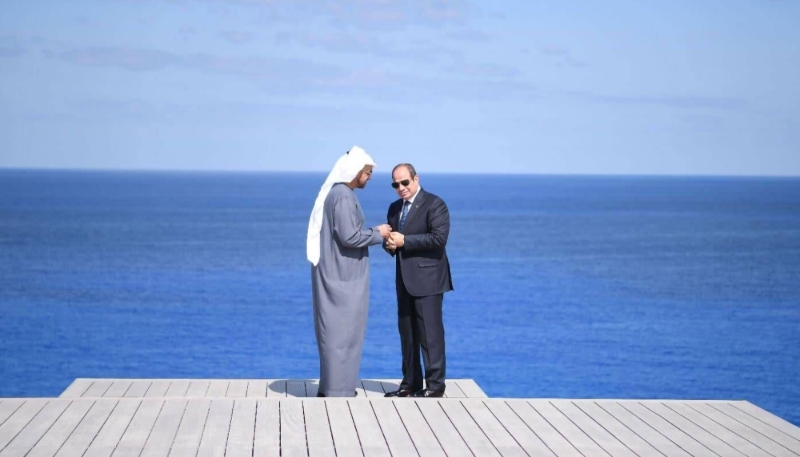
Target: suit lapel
<point x="414" y="207"/>
<point x="395" y="222"/>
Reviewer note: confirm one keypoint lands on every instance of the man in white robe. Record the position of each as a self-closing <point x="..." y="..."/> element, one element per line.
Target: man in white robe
<point x="337" y="247"/>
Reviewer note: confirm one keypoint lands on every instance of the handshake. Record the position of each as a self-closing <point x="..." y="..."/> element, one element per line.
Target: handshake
<point x="392" y="240"/>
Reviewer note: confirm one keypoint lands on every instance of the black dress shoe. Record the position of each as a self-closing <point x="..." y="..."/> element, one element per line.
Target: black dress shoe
<point x="429" y="393"/>
<point x="400" y="393"/>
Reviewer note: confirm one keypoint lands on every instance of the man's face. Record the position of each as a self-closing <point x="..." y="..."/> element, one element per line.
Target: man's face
<point x="364" y="176"/>
<point x="406" y="185"/>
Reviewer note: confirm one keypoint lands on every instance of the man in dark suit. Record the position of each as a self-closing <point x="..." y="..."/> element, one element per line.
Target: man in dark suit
<point x="420" y="227"/>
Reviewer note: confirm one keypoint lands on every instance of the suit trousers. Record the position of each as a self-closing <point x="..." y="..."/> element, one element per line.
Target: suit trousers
<point x="421" y="328"/>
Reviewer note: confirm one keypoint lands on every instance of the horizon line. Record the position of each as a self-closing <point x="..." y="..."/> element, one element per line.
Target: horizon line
<point x="466" y="173"/>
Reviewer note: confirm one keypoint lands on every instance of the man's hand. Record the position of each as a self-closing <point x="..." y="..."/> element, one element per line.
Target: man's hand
<point x="396" y="239"/>
<point x="385" y="230"/>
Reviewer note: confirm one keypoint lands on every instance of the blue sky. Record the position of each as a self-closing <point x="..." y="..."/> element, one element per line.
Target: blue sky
<point x="617" y="87"/>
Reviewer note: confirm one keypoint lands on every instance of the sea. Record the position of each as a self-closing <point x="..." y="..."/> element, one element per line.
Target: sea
<point x="619" y="287"/>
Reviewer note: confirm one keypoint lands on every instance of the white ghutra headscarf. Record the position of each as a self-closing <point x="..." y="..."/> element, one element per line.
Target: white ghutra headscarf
<point x="346" y="169"/>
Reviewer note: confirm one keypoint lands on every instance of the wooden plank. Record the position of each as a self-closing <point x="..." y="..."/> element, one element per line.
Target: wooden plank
<point x="35" y="429"/>
<point x="190" y="431"/>
<point x="372" y="388"/>
<point x="110" y="434"/>
<point x="85" y="432"/>
<point x="505" y="444"/>
<point x="573" y="434"/>
<point x="472" y="434"/>
<point x="267" y="442"/>
<point x="453" y="390"/>
<point x="237" y="388"/>
<point x="447" y="434"/>
<point x="293" y="428"/>
<point x="178" y="388"/>
<point x="296" y="389"/>
<point x="471" y="388"/>
<point x="277" y="388"/>
<point x="765" y="429"/>
<point x="21" y="417"/>
<point x="697" y="433"/>
<point x="675" y="435"/>
<point x="118" y="388"/>
<point x="393" y="429"/>
<point x="343" y="429"/>
<point x="163" y="433"/>
<point x="768" y="418"/>
<point x="733" y="440"/>
<point x="598" y="434"/>
<point x="243" y="422"/>
<point x="359" y="391"/>
<point x="630" y="439"/>
<point x="135" y="437"/>
<point x="390" y="386"/>
<point x="373" y="444"/>
<point x="747" y="433"/>
<point x="642" y="429"/>
<point x="257" y="388"/>
<point x="52" y="441"/>
<point x="218" y="423"/>
<point x="9" y="407"/>
<point x="138" y="388"/>
<point x="218" y="388"/>
<point x="318" y="430"/>
<point x="554" y="440"/>
<point x="423" y="438"/>
<point x="158" y="388"/>
<point x="98" y="388"/>
<point x="198" y="388"/>
<point x="312" y="388"/>
<point x="516" y="427"/>
<point x="77" y="388"/>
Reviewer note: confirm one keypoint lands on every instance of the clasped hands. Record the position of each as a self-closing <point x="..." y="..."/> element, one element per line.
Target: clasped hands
<point x="394" y="240"/>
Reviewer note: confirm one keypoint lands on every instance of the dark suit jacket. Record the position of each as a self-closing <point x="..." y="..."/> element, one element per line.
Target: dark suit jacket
<point x="423" y="259"/>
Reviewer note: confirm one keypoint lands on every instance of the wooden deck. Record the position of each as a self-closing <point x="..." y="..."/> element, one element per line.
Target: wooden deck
<point x="255" y="418"/>
<point x="238" y="388"/>
<point x="200" y="427"/>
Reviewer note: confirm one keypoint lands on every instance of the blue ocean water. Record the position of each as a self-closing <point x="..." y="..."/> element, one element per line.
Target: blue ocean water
<point x="566" y="286"/>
